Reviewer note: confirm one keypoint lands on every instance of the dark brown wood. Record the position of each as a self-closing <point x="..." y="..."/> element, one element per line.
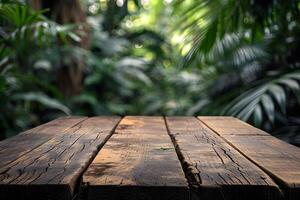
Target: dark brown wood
<point x="279" y="159"/>
<point x="223" y="158"/>
<point x="17" y="146"/>
<point x="138" y="162"/>
<point x="214" y="168"/>
<point x="52" y="169"/>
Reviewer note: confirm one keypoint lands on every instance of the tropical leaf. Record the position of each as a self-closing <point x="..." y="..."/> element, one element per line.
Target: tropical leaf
<point x="268" y="95"/>
<point x="43" y="100"/>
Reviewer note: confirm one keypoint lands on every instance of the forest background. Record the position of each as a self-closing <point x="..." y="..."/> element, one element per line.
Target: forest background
<point x="151" y="57"/>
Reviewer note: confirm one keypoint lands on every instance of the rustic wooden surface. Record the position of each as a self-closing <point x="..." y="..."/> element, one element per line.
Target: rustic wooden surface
<point x="15" y="147"/>
<point x="148" y="158"/>
<point x="215" y="169"/>
<point x="279" y="159"/>
<point x="51" y="170"/>
<point x="138" y="162"/>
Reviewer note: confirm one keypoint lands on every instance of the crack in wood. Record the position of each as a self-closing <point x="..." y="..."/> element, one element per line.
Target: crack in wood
<point x="210" y="164"/>
<point x="57" y="163"/>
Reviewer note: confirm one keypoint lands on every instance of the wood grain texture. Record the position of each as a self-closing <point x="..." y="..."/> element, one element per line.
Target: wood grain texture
<point x="279" y="159"/>
<point x="17" y="146"/>
<point x="138" y="162"/>
<point x="232" y="126"/>
<point x="215" y="169"/>
<point x="52" y="170"/>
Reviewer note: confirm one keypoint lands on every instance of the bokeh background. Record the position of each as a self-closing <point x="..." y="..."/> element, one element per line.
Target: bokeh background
<point x="151" y="57"/>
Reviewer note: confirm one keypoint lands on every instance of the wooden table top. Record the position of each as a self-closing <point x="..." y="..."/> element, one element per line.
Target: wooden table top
<point x="148" y="158"/>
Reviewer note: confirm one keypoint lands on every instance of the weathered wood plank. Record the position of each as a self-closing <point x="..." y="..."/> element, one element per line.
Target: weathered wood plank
<point x="232" y="126"/>
<point x="215" y="169"/>
<point x="138" y="162"/>
<point x="279" y="159"/>
<point x="17" y="146"/>
<point x="52" y="170"/>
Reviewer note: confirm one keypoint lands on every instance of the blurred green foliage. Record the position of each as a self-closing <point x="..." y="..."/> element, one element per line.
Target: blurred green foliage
<point x="156" y="57"/>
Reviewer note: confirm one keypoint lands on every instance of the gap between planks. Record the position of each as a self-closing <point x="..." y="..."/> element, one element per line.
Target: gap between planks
<point x="190" y="178"/>
<point x="69" y="187"/>
<point x="80" y="191"/>
<point x="208" y="186"/>
<point x="289" y="192"/>
<point x="138" y="162"/>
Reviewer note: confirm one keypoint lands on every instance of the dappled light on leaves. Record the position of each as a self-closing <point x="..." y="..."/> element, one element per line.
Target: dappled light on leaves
<point x="150" y="57"/>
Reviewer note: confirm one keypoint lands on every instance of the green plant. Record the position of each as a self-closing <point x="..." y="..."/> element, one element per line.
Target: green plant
<point x="206" y="57"/>
<point x="26" y="90"/>
<point x="246" y="51"/>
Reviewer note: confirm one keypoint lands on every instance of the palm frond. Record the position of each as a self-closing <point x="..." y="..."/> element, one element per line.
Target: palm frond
<point x="261" y="101"/>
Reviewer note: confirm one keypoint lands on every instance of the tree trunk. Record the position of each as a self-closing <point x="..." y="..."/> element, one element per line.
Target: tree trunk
<point x="69" y="76"/>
